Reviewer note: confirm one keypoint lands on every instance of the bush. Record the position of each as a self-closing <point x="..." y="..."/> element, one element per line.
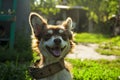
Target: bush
<point x="14" y="62"/>
<point x="13" y="55"/>
<point x="22" y="50"/>
<point x="13" y="71"/>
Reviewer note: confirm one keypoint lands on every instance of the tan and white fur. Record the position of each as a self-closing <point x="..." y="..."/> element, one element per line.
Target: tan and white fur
<point x="53" y="42"/>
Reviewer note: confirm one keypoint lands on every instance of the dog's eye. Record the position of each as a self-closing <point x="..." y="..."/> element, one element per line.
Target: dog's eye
<point x="64" y="36"/>
<point x="47" y="37"/>
<point x="61" y="31"/>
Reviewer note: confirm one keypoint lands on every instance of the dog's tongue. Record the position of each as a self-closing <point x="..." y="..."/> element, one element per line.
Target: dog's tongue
<point x="57" y="52"/>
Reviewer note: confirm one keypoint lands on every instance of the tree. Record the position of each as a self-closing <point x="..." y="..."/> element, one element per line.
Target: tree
<point x="22" y="14"/>
<point x="45" y="6"/>
<point x="98" y="10"/>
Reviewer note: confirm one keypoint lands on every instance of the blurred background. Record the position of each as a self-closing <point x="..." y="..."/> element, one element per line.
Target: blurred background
<point x="96" y="26"/>
<point x="88" y="16"/>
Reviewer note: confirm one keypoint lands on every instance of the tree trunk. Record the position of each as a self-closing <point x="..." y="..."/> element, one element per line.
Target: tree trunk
<point x="22" y="14"/>
<point x="90" y="26"/>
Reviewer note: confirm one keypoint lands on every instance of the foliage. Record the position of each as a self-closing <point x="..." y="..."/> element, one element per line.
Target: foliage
<point x="14" y="63"/>
<point x="13" y="55"/>
<point x="98" y="10"/>
<point x="110" y="47"/>
<point x="21" y="52"/>
<point x="95" y="70"/>
<point x="45" y="6"/>
<point x="14" y="71"/>
<point x="89" y="38"/>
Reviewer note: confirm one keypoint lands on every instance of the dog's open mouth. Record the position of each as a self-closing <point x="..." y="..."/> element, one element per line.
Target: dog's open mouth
<point x="55" y="51"/>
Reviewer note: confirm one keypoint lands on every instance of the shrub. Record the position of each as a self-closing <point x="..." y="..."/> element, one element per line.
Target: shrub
<point x="13" y="71"/>
<point x="22" y="50"/>
<point x="13" y="55"/>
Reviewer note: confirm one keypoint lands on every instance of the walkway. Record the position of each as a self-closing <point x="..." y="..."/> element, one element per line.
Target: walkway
<point x="88" y="52"/>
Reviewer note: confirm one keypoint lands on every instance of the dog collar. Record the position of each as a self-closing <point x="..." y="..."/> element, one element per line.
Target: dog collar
<point x="46" y="71"/>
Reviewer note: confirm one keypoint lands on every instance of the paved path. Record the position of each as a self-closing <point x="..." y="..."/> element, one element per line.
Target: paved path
<point x="88" y="52"/>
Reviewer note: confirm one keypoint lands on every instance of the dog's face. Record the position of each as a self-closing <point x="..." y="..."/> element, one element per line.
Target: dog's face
<point x="54" y="40"/>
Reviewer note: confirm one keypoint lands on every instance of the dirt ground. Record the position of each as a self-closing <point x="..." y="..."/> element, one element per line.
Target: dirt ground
<point x="88" y="52"/>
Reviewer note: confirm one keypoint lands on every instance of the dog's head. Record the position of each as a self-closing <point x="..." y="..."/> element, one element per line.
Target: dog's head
<point x="53" y="40"/>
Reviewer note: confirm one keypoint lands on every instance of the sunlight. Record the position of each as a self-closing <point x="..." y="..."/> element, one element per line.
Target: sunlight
<point x="37" y="2"/>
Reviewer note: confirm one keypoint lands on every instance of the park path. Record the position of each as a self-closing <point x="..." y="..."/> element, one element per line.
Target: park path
<point x="88" y="52"/>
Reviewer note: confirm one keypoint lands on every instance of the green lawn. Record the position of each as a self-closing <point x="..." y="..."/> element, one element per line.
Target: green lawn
<point x="95" y="70"/>
<point x="107" y="45"/>
<point x="110" y="46"/>
<point x="89" y="38"/>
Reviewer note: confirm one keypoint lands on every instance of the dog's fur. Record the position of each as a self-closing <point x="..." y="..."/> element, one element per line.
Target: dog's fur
<point x="53" y="42"/>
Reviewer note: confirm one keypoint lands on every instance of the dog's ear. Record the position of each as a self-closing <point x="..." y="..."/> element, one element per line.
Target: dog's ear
<point x="68" y="23"/>
<point x="37" y="23"/>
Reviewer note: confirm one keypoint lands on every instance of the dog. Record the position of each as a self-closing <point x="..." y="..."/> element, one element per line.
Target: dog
<point x="53" y="42"/>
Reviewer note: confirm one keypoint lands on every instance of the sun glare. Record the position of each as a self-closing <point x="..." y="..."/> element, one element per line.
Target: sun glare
<point x="37" y="2"/>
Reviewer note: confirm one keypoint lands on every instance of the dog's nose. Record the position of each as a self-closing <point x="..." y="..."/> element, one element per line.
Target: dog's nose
<point x="57" y="41"/>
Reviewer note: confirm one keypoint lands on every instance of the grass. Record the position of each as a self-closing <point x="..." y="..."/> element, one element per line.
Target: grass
<point x="89" y="38"/>
<point x="108" y="52"/>
<point x="95" y="70"/>
<point x="107" y="45"/>
<point x="110" y="47"/>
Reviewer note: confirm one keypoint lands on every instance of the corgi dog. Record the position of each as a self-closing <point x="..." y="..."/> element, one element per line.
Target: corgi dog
<point x="53" y="43"/>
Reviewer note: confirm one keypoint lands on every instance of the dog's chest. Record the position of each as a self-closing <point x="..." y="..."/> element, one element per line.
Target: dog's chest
<point x="62" y="75"/>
